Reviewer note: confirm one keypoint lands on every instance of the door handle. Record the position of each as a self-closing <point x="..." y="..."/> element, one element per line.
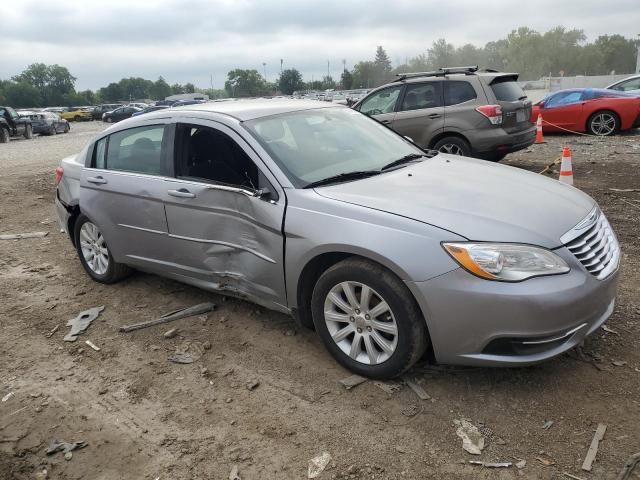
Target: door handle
<point x="434" y="115"/>
<point x="385" y="122"/>
<point x="96" y="180"/>
<point x="182" y="193"/>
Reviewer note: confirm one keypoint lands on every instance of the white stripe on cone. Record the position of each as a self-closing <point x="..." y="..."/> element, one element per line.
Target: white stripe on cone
<point x="566" y="170"/>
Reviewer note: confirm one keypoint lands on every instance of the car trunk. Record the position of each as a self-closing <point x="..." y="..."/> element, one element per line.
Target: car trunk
<point x="516" y="107"/>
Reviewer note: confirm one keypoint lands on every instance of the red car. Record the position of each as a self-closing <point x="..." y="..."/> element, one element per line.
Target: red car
<point x="592" y="110"/>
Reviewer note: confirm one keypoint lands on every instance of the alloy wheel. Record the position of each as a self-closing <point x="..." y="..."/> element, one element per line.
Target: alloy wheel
<point x="603" y="124"/>
<point x="361" y="322"/>
<point x="451" y="148"/>
<point x="94" y="249"/>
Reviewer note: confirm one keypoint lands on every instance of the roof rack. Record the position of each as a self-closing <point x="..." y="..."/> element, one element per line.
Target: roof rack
<point x="442" y="71"/>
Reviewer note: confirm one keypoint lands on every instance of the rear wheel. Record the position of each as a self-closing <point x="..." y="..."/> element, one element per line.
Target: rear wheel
<point x="77" y="118"/>
<point x="52" y="129"/>
<point x="109" y="120"/>
<point x="453" y="146"/>
<point x="28" y="132"/>
<point x="367" y="319"/>
<point x="603" y="123"/>
<point x="4" y="135"/>
<point x="67" y="128"/>
<point x="94" y="253"/>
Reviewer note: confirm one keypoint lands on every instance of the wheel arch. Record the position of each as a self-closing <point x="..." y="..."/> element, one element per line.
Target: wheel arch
<point x="445" y="134"/>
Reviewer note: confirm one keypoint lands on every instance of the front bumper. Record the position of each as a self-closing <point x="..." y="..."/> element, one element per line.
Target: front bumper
<point x="477" y="322"/>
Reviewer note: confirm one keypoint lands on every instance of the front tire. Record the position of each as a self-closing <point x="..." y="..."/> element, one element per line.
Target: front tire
<point x="368" y="319"/>
<point x="52" y="130"/>
<point x="109" y="120"/>
<point x="28" y="132"/>
<point x="4" y="135"/>
<point x="603" y="123"/>
<point x="453" y="146"/>
<point x="66" y="128"/>
<point x="94" y="253"/>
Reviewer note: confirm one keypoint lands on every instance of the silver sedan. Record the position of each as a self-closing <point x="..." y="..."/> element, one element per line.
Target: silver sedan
<point x="318" y="211"/>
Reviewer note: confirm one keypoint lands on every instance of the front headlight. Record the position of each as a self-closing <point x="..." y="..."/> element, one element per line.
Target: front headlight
<point x="507" y="262"/>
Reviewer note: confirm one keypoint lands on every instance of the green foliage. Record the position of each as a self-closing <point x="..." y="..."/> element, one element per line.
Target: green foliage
<point x="245" y="83"/>
<point x="160" y="89"/>
<point x="346" y="80"/>
<point x="22" y="95"/>
<point x="290" y="80"/>
<point x="213" y="93"/>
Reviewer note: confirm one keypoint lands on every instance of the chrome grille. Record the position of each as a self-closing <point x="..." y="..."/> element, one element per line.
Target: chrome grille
<point x="594" y="244"/>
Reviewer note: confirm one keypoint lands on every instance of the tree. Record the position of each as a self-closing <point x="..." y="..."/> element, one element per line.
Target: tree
<point x="383" y="66"/>
<point x="22" y="95"/>
<point x="364" y="75"/>
<point x="51" y="82"/>
<point x="111" y="93"/>
<point x="618" y="53"/>
<point x="160" y="89"/>
<point x="189" y="88"/>
<point x="245" y="83"/>
<point x="290" y="80"/>
<point x="177" y="89"/>
<point x="346" y="80"/>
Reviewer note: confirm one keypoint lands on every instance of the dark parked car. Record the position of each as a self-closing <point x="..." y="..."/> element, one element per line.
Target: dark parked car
<point x="461" y="110"/>
<point x="119" y="113"/>
<point x="13" y="125"/>
<point x="182" y="103"/>
<point x="154" y="108"/>
<point x="47" y="123"/>
<point x="104" y="108"/>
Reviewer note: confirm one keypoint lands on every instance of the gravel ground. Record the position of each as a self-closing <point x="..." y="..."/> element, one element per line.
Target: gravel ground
<point x="146" y="418"/>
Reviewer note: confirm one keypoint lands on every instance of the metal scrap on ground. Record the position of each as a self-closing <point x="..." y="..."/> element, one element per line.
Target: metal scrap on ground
<point x="187" y="352"/>
<point x="388" y="387"/>
<point x="81" y="323"/>
<point x="17" y="236"/>
<point x="61" y="446"/>
<point x="170" y="317"/>
<point x="352" y="381"/>
<point x="233" y="475"/>
<point x="491" y="464"/>
<point x="422" y="395"/>
<point x="593" y="449"/>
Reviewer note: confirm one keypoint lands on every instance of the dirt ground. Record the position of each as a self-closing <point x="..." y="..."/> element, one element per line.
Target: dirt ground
<point x="144" y="417"/>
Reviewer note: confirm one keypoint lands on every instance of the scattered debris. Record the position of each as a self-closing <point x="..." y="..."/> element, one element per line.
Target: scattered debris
<point x="52" y="331"/>
<point x="318" y="464"/>
<point x="547" y="462"/>
<point x="547" y="425"/>
<point x="68" y="456"/>
<point x="233" y="475"/>
<point x="92" y="345"/>
<point x="472" y="440"/>
<point x="8" y="396"/>
<point x="567" y="474"/>
<point x="253" y="384"/>
<point x="629" y="467"/>
<point x="352" y="381"/>
<point x="619" y="363"/>
<point x="491" y="464"/>
<point x="388" y="387"/>
<point x="187" y="352"/>
<point x="607" y="329"/>
<point x="17" y="236"/>
<point x="207" y="345"/>
<point x="171" y="333"/>
<point x="61" y="446"/>
<point x="81" y="323"/>
<point x="422" y="395"/>
<point x="593" y="449"/>
<point x="625" y="189"/>
<point x="521" y="464"/>
<point x="171" y="316"/>
<point x="17" y="411"/>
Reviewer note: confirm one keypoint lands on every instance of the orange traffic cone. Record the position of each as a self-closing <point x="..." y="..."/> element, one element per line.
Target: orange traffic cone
<point x="539" y="136"/>
<point x="566" y="171"/>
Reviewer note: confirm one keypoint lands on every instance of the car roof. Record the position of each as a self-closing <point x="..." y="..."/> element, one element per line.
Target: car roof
<point x="255" y="108"/>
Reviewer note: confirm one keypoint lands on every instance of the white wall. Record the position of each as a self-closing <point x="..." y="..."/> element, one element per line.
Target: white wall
<point x="595" y="81"/>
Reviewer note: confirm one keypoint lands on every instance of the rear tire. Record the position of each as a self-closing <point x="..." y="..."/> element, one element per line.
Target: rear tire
<point x="4" y="135"/>
<point x="28" y="132"/>
<point x="453" y="146"/>
<point x="603" y="123"/>
<point x="109" y="120"/>
<point x="77" y="118"/>
<point x="66" y="128"/>
<point x="94" y="253"/>
<point x="399" y="325"/>
<point x="52" y="130"/>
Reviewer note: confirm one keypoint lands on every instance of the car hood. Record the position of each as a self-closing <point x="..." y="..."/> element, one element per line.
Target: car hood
<point x="476" y="199"/>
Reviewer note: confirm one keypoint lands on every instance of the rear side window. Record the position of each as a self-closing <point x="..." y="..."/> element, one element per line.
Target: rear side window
<point x="422" y="95"/>
<point x="506" y="89"/>
<point x="456" y="92"/>
<point x="136" y="150"/>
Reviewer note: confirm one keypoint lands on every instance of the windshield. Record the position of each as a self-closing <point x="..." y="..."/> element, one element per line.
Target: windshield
<point x="313" y="145"/>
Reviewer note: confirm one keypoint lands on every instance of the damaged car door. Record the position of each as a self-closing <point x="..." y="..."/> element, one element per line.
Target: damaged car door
<point x="225" y="213"/>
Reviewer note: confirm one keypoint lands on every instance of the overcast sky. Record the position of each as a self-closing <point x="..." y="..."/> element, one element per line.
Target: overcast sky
<point x="189" y="40"/>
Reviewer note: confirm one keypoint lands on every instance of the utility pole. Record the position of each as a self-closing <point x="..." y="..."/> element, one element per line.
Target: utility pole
<point x="264" y="66"/>
<point x="281" y="62"/>
<point x="328" y="64"/>
<point x="211" y="79"/>
<point x="638" y="57"/>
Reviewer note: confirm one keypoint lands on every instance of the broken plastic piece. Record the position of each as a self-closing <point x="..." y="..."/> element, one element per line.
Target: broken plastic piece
<point x="491" y="464"/>
<point x="81" y="323"/>
<point x="318" y="464"/>
<point x="61" y="446"/>
<point x="352" y="381"/>
<point x="187" y="352"/>
<point x="472" y="439"/>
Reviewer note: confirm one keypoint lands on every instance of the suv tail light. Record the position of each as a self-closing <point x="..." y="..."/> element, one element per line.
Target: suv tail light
<point x="492" y="112"/>
<point x="59" y="173"/>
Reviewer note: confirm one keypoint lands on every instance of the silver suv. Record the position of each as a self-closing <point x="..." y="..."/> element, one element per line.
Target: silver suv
<point x="484" y="114"/>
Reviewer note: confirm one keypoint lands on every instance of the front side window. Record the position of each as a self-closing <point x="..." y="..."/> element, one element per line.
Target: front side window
<point x="456" y="92"/>
<point x="633" y="84"/>
<point x="562" y="99"/>
<point x="422" y="95"/>
<point x="381" y="102"/>
<point x="313" y="145"/>
<point x="208" y="155"/>
<point x="136" y="150"/>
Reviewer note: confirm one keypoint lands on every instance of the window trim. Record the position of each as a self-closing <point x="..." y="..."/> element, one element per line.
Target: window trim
<point x="406" y="89"/>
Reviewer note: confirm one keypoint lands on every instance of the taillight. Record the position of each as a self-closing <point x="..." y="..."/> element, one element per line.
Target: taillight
<point x="492" y="112"/>
<point x="59" y="173"/>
